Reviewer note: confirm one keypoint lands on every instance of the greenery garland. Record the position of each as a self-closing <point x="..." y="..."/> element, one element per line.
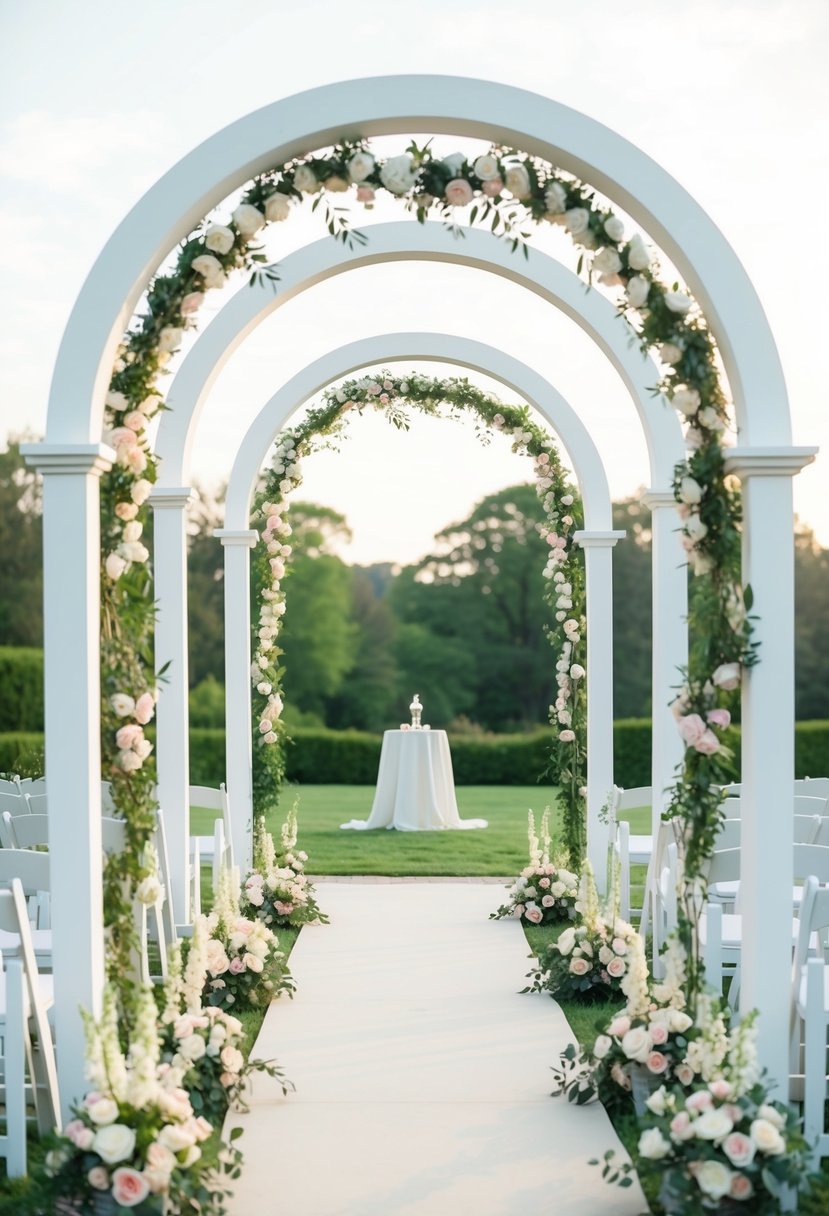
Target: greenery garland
<point x="390" y="394"/>
<point x="510" y="193"/>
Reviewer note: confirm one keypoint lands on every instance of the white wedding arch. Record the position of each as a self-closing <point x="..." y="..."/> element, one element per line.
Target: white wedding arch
<point x="304" y="269"/>
<point x="72" y="458"/>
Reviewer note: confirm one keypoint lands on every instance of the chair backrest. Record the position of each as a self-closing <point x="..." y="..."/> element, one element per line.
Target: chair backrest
<point x="724" y="866"/>
<point x="728" y="834"/>
<point x="813" y="787"/>
<point x="168" y="912"/>
<point x="107" y="803"/>
<point x="808" y="804"/>
<point x="813" y="917"/>
<point x="38" y="803"/>
<point x="811" y="859"/>
<point x="14" y="803"/>
<point x="631" y="800"/>
<point x="32" y="831"/>
<point x="206" y="797"/>
<point x="33" y="785"/>
<point x="30" y="869"/>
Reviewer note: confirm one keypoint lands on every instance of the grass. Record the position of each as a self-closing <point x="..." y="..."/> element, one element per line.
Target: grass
<point x="499" y="850"/>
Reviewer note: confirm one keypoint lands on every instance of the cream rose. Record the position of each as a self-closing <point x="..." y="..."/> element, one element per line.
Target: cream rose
<point x="360" y="167"/>
<point x="686" y="400"/>
<point x="638" y="254"/>
<point x="638" y="289"/>
<point x="248" y="219"/>
<point x="458" y="192"/>
<point x="579" y="966"/>
<point x="577" y="220"/>
<point x="517" y="181"/>
<point x="277" y="207"/>
<point x="219" y="239"/>
<point x="170" y="338"/>
<point x="614" y="228"/>
<point x="713" y="1124"/>
<point x="486" y="168"/>
<point x="653" y="1145"/>
<point x="192" y="1047"/>
<point x="103" y="1112"/>
<point x="399" y="174"/>
<point x="677" y="301"/>
<point x="714" y="1179"/>
<point x="767" y="1138"/>
<point x="114" y="1143"/>
<point x="210" y="268"/>
<point x="305" y="180"/>
<point x="637" y="1044"/>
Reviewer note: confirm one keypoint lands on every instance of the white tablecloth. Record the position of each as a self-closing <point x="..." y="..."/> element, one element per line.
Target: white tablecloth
<point x="415" y="787"/>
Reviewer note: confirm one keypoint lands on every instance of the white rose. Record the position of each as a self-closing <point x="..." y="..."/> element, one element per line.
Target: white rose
<point x="637" y="1044"/>
<point x="714" y="1179"/>
<point x="614" y="228"/>
<point x="695" y="528"/>
<point x="148" y="891"/>
<point x="679" y="1022"/>
<point x="677" y="301"/>
<point x="713" y="1125"/>
<point x="140" y="491"/>
<point x="122" y="704"/>
<point x="767" y="1138"/>
<point x="103" y="1112"/>
<point x="690" y="491"/>
<point x="517" y="181"/>
<point x="134" y="551"/>
<point x="133" y="530"/>
<point x="670" y="353"/>
<point x="486" y="167"/>
<point x="399" y="174"/>
<point x="727" y="676"/>
<point x="607" y="262"/>
<point x="638" y="255"/>
<point x="170" y="338"/>
<point x="454" y="163"/>
<point x="219" y="239"/>
<point x="305" y="180"/>
<point x="577" y="220"/>
<point x="656" y="1102"/>
<point x="277" y="207"/>
<point x="360" y="167"/>
<point x="709" y="418"/>
<point x="770" y="1113"/>
<point x="177" y="1137"/>
<point x="653" y="1145"/>
<point x="637" y="291"/>
<point x="567" y="941"/>
<point x="602" y="1046"/>
<point x="248" y="219"/>
<point x="114" y="566"/>
<point x="192" y="1047"/>
<point x="686" y="400"/>
<point x="114" y="1143"/>
<point x="210" y="269"/>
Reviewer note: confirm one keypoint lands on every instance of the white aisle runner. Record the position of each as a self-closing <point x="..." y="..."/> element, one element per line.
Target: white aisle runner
<point x="422" y="1076"/>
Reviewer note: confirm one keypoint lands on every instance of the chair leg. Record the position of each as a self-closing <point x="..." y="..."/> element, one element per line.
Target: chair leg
<point x="814" y="1065"/>
<point x="16" y="1052"/>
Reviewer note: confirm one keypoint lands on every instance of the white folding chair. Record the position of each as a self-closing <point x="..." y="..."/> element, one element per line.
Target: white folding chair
<point x="810" y="1014"/>
<point x="812" y="787"/>
<point x="215" y="850"/>
<point x="628" y="849"/>
<point x="25" y="998"/>
<point x="32" y="785"/>
<point x="38" y="803"/>
<point x="11" y="804"/>
<point x="32" y="831"/>
<point x="32" y="872"/>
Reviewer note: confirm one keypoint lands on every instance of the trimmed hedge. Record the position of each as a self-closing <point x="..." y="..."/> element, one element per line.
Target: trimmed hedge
<point x="327" y="757"/>
<point x="21" y="689"/>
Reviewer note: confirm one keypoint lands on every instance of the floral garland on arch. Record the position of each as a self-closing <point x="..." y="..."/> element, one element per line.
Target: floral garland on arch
<point x="510" y="193"/>
<point x="390" y="394"/>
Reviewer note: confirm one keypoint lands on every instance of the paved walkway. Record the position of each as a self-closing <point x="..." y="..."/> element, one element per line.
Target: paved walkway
<point x="422" y="1076"/>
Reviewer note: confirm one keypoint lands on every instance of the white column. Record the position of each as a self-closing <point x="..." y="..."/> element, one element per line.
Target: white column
<point x="669" y="597"/>
<point x="768" y="747"/>
<point x="171" y="644"/>
<point x="237" y="546"/>
<point x="598" y="564"/>
<point x="71" y="621"/>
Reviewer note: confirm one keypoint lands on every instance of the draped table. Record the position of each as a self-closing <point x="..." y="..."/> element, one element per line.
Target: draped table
<point x="415" y="785"/>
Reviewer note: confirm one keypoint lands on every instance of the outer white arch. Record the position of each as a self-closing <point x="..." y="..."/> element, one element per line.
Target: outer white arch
<point x="404" y="104"/>
<point x="404" y="241"/>
<point x="437" y="348"/>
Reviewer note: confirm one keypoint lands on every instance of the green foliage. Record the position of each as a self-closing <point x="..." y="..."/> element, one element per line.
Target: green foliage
<point x="22" y="753"/>
<point x="21" y="682"/>
<point x="207" y="703"/>
<point x="21" y="546"/>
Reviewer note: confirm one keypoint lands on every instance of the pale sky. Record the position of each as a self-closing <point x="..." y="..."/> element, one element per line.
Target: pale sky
<point x="98" y="99"/>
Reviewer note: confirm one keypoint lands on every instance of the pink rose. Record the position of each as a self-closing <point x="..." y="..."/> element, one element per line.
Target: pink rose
<point x="707" y="744"/>
<point x="458" y="192"/>
<point x="98" y="1178"/>
<point x="684" y="1073"/>
<point x="681" y="1128"/>
<point x="544" y="882"/>
<point x="720" y="1088"/>
<point x="579" y="966"/>
<point x="126" y="510"/>
<point x="659" y="1034"/>
<point x="492" y="188"/>
<point x="135" y="420"/>
<point x="144" y="708"/>
<point x="691" y="728"/>
<point x="80" y="1135"/>
<point x="620" y="1076"/>
<point x="657" y="1062"/>
<point x="616" y="968"/>
<point x="719" y="717"/>
<point x="547" y="901"/>
<point x="365" y="194"/>
<point x="129" y="735"/>
<point x="129" y="1188"/>
<point x="534" y="915"/>
<point x="739" y="1149"/>
<point x="701" y="1100"/>
<point x="273" y="523"/>
<point x="741" y="1187"/>
<point x="192" y="302"/>
<point x="236" y="966"/>
<point x="619" y="1026"/>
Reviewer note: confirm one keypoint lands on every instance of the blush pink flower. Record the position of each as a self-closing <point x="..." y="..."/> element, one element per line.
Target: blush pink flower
<point x="236" y="966"/>
<point x="80" y="1135"/>
<point x="719" y="717"/>
<point x="365" y="194"/>
<point x="659" y="1034"/>
<point x="458" y="192"/>
<point x="616" y="968"/>
<point x="681" y="1128"/>
<point x="701" y="1100"/>
<point x="720" y="1088"/>
<point x="579" y="966"/>
<point x="129" y="735"/>
<point x="739" y="1149"/>
<point x="741" y="1187"/>
<point x="129" y="1188"/>
<point x="144" y="708"/>
<point x="707" y="744"/>
<point x="657" y="1063"/>
<point x="691" y="728"/>
<point x="492" y="188"/>
<point x="191" y="303"/>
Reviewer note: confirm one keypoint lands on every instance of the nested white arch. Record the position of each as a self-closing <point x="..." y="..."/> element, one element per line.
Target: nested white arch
<point x="73" y="457"/>
<point x="405" y="104"/>
<point x="406" y="241"/>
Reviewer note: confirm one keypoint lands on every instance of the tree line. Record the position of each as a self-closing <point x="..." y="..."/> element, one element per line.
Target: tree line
<point x="465" y="626"/>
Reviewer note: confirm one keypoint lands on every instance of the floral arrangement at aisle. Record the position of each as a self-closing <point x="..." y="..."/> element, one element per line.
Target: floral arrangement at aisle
<point x="240" y="957"/>
<point x="543" y="892"/>
<point x="277" y="890"/>
<point x="136" y="1141"/>
<point x="391" y="393"/>
<point x="590" y="960"/>
<point x="204" y="1043"/>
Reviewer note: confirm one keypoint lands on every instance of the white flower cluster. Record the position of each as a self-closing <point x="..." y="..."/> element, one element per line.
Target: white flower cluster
<point x="235" y="946"/>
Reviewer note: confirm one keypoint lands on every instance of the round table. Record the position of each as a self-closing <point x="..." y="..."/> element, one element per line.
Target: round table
<point x="415" y="785"/>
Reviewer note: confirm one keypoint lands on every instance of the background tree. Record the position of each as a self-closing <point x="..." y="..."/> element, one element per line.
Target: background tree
<point x="21" y="550"/>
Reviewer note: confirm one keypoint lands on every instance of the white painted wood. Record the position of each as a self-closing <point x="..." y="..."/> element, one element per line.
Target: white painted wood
<point x="405" y="241"/>
<point x="237" y="546"/>
<point x="767" y="797"/>
<point x="71" y="610"/>
<point x="172" y="711"/>
<point x="598" y="562"/>
<point x="399" y="105"/>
